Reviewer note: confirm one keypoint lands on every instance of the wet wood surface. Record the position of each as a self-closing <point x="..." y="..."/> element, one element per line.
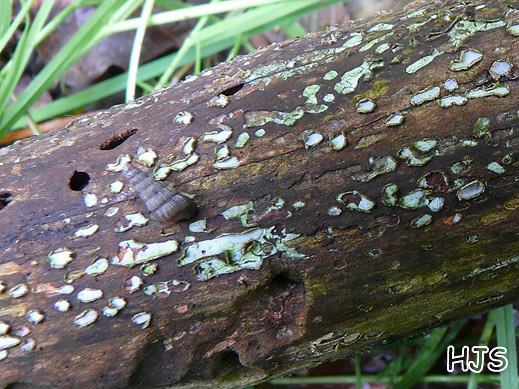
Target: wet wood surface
<point x="359" y="208"/>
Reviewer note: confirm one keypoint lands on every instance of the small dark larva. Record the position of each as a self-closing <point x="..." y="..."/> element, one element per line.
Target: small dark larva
<point x="164" y="204"/>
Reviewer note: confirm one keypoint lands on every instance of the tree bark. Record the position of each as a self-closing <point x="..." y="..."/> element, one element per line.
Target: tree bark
<point x="304" y="249"/>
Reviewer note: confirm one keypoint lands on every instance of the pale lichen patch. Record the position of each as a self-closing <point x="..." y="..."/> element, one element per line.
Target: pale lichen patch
<point x="116" y="186"/>
<point x="449" y="101"/>
<point x="468" y="58"/>
<point x="356" y="201"/>
<point x="500" y="68"/>
<point x="495" y="167"/>
<point x="35" y="316"/>
<point x="198" y="226"/>
<point x="114" y="306"/>
<point x="242" y="140"/>
<point x="467" y="28"/>
<point x="19" y="290"/>
<point x="497" y="90"/>
<point x="312" y="139"/>
<point x="86" y="232"/>
<point x="189" y="146"/>
<point x="260" y="133"/>
<point x="217" y="136"/>
<point x="146" y="156"/>
<point x="425" y="96"/>
<point x="354" y="39"/>
<point x="240" y="212"/>
<point x="88" y="295"/>
<point x="409" y="155"/>
<point x="329" y="98"/>
<point x="86" y="318"/>
<point x="350" y="79"/>
<point x="422" y="62"/>
<point x="62" y="305"/>
<point x="395" y="119"/>
<point x="382" y="48"/>
<point x="99" y="266"/>
<point x="366" y="106"/>
<point x="132" y="253"/>
<point x="120" y="164"/>
<point x="90" y="199"/>
<point x="28" y="345"/>
<point x="451" y="85"/>
<point x="381" y="27"/>
<point x="389" y="195"/>
<point x="338" y="142"/>
<point x="219" y="101"/>
<point x="149" y="269"/>
<point x="111" y="211"/>
<point x="471" y="190"/>
<point x="228" y="163"/>
<point x="436" y="204"/>
<point x="425" y="145"/>
<point x="414" y="200"/>
<point x="61" y="257"/>
<point x="133" y="284"/>
<point x="183" y="118"/>
<point x="378" y="166"/>
<point x="374" y="42"/>
<point x="330" y="75"/>
<point x="7" y="341"/>
<point x="512" y="29"/>
<point x="310" y="92"/>
<point x="482" y="128"/>
<point x="229" y="253"/>
<point x="142" y="319"/>
<point x="421" y="221"/>
<point x="4" y="328"/>
<point x="334" y="211"/>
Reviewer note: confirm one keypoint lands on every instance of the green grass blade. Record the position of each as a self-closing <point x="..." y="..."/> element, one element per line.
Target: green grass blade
<point x="188" y="13"/>
<point x="294" y="30"/>
<point x="505" y="333"/>
<point x="6" y="12"/>
<point x="171" y="5"/>
<point x="486" y="335"/>
<point x="52" y="25"/>
<point x="249" y="21"/>
<point x="152" y="69"/>
<point x="14" y="68"/>
<point x="435" y="345"/>
<point x="235" y="49"/>
<point x="24" y="11"/>
<point x="186" y="45"/>
<point x="135" y="55"/>
<point x="79" y="44"/>
<point x="373" y="379"/>
<point x="113" y="85"/>
<point x="358" y="371"/>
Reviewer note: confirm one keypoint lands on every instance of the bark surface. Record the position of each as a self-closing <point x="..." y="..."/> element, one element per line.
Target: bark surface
<point x="326" y="230"/>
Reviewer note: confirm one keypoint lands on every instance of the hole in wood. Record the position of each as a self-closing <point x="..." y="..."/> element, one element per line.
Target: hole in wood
<point x="117" y="139"/>
<point x="78" y="181"/>
<point x="232" y="90"/>
<point x="227" y="362"/>
<point x="5" y="198"/>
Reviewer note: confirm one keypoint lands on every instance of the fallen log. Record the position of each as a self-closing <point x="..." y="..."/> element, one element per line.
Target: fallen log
<point x="353" y="187"/>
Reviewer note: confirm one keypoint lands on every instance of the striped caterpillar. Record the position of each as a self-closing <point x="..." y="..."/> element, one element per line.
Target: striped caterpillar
<point x="164" y="204"/>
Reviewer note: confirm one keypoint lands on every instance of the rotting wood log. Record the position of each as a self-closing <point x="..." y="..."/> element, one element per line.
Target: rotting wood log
<point x="354" y="187"/>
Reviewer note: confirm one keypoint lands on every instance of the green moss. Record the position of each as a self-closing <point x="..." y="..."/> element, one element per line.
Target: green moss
<point x="378" y="89"/>
<point x="316" y="287"/>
